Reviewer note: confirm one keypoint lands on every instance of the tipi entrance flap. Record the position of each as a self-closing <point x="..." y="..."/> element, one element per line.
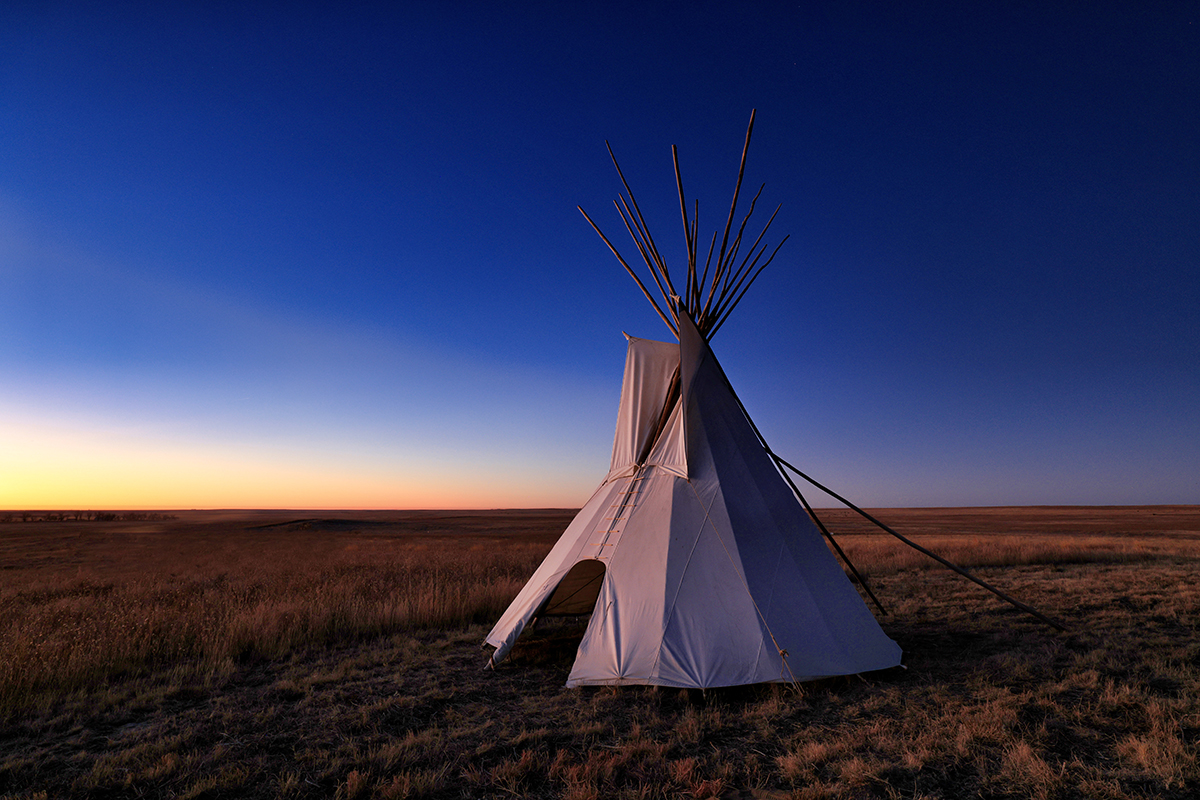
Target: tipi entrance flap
<point x="649" y="367"/>
<point x="577" y="543"/>
<point x="576" y="593"/>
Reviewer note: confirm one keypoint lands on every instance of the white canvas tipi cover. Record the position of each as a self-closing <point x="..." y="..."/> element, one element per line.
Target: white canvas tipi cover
<point x="698" y="566"/>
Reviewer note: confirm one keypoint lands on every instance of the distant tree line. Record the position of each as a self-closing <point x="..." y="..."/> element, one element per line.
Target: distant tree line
<point x="89" y="516"/>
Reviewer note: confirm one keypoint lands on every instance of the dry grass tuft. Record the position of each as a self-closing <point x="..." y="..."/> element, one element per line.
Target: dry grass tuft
<point x="1026" y="770"/>
<point x="1161" y="751"/>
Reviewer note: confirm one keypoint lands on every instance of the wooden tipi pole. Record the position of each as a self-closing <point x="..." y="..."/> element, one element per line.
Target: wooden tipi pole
<point x="949" y="564"/>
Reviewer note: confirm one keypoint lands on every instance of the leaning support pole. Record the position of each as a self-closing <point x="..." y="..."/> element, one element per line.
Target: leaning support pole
<point x="862" y="581"/>
<point x="950" y="565"/>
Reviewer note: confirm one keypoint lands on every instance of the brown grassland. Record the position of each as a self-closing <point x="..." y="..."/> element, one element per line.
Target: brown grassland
<point x="258" y="654"/>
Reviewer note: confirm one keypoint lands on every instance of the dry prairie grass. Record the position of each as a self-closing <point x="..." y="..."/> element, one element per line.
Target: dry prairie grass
<point x="999" y="537"/>
<point x="84" y="604"/>
<point x="278" y="696"/>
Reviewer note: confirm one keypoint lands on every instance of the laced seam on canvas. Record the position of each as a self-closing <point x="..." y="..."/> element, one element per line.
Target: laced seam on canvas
<point x="624" y="508"/>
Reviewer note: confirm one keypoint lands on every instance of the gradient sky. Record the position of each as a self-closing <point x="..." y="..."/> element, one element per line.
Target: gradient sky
<point x="290" y="255"/>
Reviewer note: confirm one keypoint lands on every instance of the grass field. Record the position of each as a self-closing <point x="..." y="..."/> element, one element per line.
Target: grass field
<point x="259" y="654"/>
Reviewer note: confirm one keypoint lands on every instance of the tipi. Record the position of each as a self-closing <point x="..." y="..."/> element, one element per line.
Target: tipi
<point x="695" y="559"/>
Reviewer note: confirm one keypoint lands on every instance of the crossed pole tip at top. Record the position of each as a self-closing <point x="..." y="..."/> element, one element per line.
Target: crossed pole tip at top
<point x="708" y="296"/>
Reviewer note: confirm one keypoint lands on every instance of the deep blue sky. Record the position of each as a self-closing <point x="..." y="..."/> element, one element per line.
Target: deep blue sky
<point x="306" y="255"/>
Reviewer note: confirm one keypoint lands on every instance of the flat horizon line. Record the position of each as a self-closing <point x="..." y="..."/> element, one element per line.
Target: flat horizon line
<point x="545" y="509"/>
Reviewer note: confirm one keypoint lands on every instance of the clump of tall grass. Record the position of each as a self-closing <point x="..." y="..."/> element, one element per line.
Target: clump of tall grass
<point x="57" y="636"/>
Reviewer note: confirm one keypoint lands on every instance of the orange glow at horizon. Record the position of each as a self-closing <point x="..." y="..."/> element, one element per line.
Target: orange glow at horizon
<point x="53" y="469"/>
